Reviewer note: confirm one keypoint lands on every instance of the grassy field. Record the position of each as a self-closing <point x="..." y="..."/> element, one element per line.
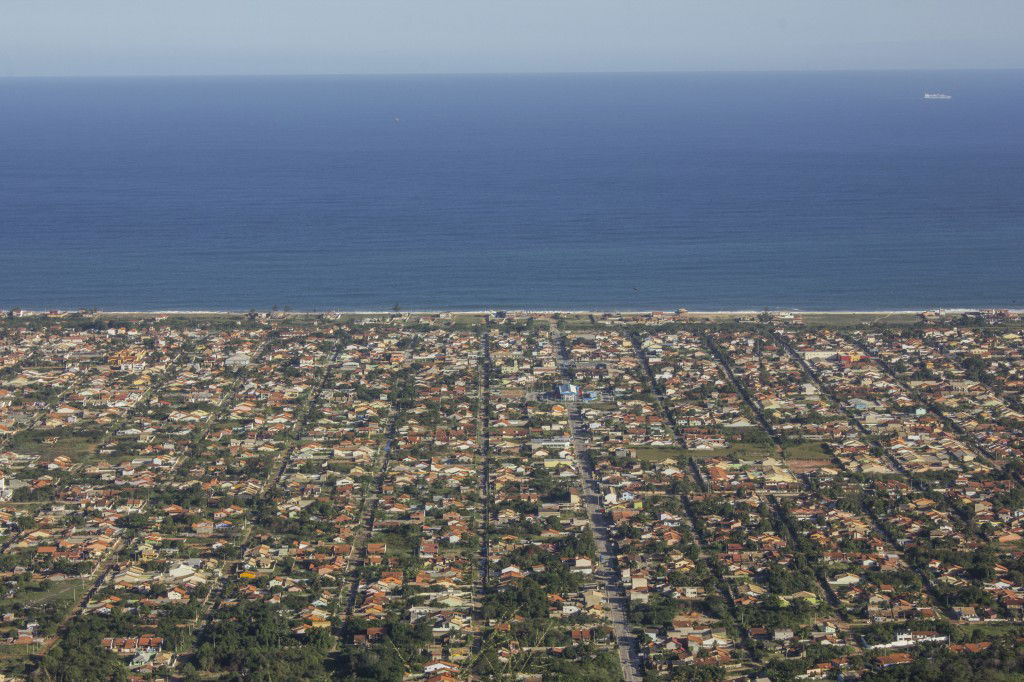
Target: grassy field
<point x="987" y="630"/>
<point x="63" y="590"/>
<point x="748" y="451"/>
<point x="857" y="319"/>
<point x="806" y="451"/>
<point x="17" y="651"/>
<point x="578" y="323"/>
<point x="659" y="454"/>
<point x="34" y="443"/>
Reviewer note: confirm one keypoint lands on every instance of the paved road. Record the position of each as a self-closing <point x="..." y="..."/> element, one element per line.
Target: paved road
<point x="607" y="573"/>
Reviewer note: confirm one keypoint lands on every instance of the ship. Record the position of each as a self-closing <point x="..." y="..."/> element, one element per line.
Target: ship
<point x="937" y="95"/>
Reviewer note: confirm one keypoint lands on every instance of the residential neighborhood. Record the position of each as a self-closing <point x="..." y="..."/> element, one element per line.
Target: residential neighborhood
<point x="510" y="496"/>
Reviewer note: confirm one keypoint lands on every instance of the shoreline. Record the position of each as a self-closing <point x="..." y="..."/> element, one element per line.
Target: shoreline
<point x="524" y="311"/>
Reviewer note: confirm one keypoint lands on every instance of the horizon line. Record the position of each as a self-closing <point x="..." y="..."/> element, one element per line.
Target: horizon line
<point x="397" y="74"/>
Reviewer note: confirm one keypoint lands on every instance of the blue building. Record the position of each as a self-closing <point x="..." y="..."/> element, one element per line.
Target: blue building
<point x="568" y="391"/>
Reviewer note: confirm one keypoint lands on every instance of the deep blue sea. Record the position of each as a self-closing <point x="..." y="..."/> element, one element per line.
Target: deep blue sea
<point x="825" y="191"/>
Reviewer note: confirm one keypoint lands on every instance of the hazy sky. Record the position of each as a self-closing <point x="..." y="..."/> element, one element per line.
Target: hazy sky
<point x="122" y="37"/>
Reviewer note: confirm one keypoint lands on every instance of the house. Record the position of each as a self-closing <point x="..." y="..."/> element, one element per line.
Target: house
<point x="890" y="660"/>
<point x="133" y="645"/>
<point x="237" y="361"/>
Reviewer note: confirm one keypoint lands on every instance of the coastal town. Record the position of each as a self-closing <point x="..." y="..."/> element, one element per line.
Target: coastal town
<point x="511" y="496"/>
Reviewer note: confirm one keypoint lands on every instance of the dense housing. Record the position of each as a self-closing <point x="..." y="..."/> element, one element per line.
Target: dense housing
<point x="511" y="496"/>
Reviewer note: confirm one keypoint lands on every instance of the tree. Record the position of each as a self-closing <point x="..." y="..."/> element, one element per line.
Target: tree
<point x="80" y="658"/>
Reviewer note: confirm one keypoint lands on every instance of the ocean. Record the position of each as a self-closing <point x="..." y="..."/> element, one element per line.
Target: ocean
<point x="813" y="191"/>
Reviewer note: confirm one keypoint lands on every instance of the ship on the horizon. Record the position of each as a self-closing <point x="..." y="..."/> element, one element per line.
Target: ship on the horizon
<point x="937" y="95"/>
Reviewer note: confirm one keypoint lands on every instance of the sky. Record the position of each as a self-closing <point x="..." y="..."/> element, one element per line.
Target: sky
<point x="210" y="37"/>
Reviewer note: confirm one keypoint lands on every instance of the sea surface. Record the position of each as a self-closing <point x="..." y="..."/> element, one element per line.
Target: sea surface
<point x="828" y="191"/>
